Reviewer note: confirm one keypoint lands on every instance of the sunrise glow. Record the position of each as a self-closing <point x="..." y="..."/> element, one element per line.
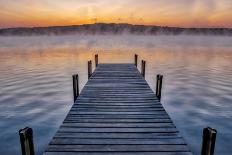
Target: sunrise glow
<point x="182" y="13"/>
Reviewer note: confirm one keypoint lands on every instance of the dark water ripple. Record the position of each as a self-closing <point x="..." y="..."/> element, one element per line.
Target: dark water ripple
<point x="36" y="86"/>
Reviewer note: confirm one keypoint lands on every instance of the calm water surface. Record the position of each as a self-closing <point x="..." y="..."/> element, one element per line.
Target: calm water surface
<point x="36" y="86"/>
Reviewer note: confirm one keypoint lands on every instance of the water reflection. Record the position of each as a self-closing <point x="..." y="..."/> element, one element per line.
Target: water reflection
<point x="36" y="86"/>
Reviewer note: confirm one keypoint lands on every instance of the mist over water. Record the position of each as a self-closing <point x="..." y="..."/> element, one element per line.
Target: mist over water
<point x="36" y="84"/>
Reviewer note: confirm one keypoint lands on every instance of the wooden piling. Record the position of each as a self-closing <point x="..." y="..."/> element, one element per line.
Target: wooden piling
<point x="75" y="86"/>
<point x="96" y="60"/>
<point x="26" y="140"/>
<point x="136" y="60"/>
<point x="89" y="69"/>
<point x="159" y="79"/>
<point x="143" y="67"/>
<point x="208" y="141"/>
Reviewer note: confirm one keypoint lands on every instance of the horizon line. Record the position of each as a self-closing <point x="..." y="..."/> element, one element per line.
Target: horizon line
<point x="31" y="27"/>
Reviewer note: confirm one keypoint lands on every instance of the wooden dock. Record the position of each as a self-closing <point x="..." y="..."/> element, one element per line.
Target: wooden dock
<point x="117" y="113"/>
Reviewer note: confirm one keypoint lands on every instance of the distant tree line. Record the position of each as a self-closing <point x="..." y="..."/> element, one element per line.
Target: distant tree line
<point x="102" y="28"/>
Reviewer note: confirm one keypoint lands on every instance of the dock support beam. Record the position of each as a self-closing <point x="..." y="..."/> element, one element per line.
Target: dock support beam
<point x="136" y="60"/>
<point x="96" y="60"/>
<point x="75" y="86"/>
<point x="26" y="140"/>
<point x="208" y="141"/>
<point x="143" y="67"/>
<point x="159" y="79"/>
<point x="89" y="69"/>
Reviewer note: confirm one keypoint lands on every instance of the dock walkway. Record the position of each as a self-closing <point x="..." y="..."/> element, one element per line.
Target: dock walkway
<point x="117" y="113"/>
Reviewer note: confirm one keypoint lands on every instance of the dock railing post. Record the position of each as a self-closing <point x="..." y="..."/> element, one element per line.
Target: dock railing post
<point x="159" y="79"/>
<point x="89" y="69"/>
<point x="26" y="140"/>
<point x="208" y="141"/>
<point x="75" y="86"/>
<point x="96" y="60"/>
<point x="136" y="60"/>
<point x="143" y="67"/>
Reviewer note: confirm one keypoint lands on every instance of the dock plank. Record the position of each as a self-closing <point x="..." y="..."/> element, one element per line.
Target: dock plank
<point x="117" y="113"/>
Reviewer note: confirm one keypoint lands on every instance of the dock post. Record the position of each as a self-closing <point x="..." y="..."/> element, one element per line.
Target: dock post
<point x="159" y="79"/>
<point x="136" y="60"/>
<point x="208" y="141"/>
<point x="75" y="86"/>
<point x="143" y="67"/>
<point x="96" y="60"/>
<point x="26" y="140"/>
<point x="89" y="69"/>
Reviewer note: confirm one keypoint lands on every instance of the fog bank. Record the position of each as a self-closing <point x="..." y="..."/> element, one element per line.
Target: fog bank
<point x="108" y="42"/>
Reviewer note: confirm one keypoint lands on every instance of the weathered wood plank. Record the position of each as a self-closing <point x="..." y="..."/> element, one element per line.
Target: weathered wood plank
<point x="116" y="106"/>
<point x="115" y="113"/>
<point x="72" y="141"/>
<point x="116" y="110"/>
<point x="110" y="116"/>
<point x="107" y="130"/>
<point x="119" y="125"/>
<point x="118" y="148"/>
<point x="95" y="120"/>
<point x="118" y="153"/>
<point x="122" y="111"/>
<point x="94" y="135"/>
<point x="104" y="102"/>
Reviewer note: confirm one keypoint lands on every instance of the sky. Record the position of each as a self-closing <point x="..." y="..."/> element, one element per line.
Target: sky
<point x="180" y="13"/>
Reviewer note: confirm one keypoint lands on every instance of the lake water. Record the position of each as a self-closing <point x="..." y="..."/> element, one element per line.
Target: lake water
<point x="36" y="84"/>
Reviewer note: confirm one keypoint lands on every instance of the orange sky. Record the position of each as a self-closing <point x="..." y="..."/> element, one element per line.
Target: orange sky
<point x="183" y="13"/>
